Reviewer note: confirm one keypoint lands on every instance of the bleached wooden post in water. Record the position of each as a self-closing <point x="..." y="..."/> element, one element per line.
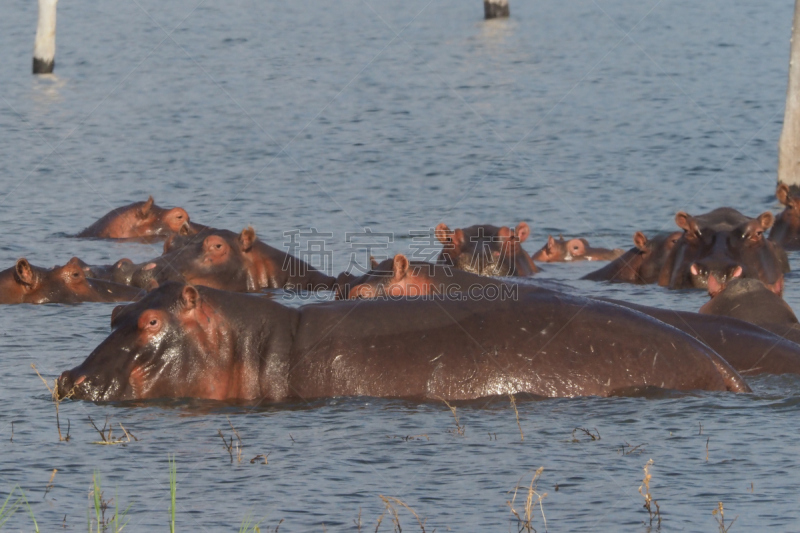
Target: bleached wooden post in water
<point x="789" y="144"/>
<point x="495" y="8"/>
<point x="44" y="49"/>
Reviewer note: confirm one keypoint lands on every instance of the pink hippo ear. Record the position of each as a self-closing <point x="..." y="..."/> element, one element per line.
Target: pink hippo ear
<point x="189" y="298"/>
<point x="373" y="262"/>
<point x="24" y="272"/>
<point x="400" y="267"/>
<point x="640" y="241"/>
<point x="766" y="220"/>
<point x="687" y="224"/>
<point x="782" y="193"/>
<point x="522" y="231"/>
<point x="144" y="211"/>
<point x="551" y="245"/>
<point x="443" y="233"/>
<point x="246" y="238"/>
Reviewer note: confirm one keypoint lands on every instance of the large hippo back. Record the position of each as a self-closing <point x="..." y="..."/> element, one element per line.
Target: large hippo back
<point x="544" y="343"/>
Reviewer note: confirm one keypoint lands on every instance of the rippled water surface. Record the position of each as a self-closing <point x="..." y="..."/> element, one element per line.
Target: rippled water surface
<point x="583" y="118"/>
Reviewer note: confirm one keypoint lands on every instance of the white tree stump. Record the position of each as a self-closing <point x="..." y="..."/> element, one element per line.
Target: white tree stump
<point x="495" y="8"/>
<point x="789" y="143"/>
<point x="44" y="48"/>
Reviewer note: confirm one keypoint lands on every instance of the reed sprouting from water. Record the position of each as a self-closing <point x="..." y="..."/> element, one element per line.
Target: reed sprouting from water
<point x="116" y="523"/>
<point x="7" y="511"/>
<point x="173" y="488"/>
<point x="644" y="490"/>
<point x="719" y="514"/>
<point x="525" y="521"/>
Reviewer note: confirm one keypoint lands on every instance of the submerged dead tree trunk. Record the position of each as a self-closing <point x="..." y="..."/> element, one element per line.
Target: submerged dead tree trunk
<point x="495" y="8"/>
<point x="44" y="48"/>
<point x="789" y="144"/>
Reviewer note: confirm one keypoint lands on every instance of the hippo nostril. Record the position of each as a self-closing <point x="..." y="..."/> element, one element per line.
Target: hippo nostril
<point x="737" y="272"/>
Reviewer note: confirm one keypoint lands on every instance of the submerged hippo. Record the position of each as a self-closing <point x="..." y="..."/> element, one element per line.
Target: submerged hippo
<point x="25" y="283"/>
<point x="641" y="264"/>
<point x="185" y="341"/>
<point x="726" y="244"/>
<point x="486" y="250"/>
<point x="399" y="278"/>
<point x="561" y="250"/>
<point x="229" y="261"/>
<point x="142" y="221"/>
<point x="748" y="349"/>
<point x="752" y="301"/>
<point x="786" y="230"/>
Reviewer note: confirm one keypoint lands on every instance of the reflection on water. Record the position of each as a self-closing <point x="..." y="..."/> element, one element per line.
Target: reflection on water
<point x="317" y="115"/>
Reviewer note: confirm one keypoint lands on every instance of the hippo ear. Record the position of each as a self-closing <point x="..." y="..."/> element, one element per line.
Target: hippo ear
<point x="687" y="223"/>
<point x="189" y="297"/>
<point x="522" y="231"/>
<point x="144" y="211"/>
<point x="640" y="241"/>
<point x="782" y="193"/>
<point x="443" y="233"/>
<point x="246" y="238"/>
<point x="184" y="229"/>
<point x="24" y="272"/>
<point x="115" y="314"/>
<point x="551" y="244"/>
<point x="766" y="220"/>
<point x="400" y="266"/>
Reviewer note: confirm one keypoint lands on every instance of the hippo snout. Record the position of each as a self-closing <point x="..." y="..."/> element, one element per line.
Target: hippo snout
<point x="723" y="272"/>
<point x="67" y="384"/>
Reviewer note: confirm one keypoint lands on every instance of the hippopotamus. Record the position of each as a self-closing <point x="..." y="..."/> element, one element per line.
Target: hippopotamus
<point x="726" y="244"/>
<point x="786" y="230"/>
<point x="185" y="341"/>
<point x="752" y="301"/>
<point x="747" y="348"/>
<point x="750" y="349"/>
<point x="642" y="263"/>
<point x="560" y="251"/>
<point x="26" y="283"/>
<point x="486" y="250"/>
<point x="141" y="221"/>
<point x="229" y="261"/>
<point x="398" y="277"/>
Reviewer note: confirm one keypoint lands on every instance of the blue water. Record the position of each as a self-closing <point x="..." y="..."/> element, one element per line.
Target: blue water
<point x="592" y="119"/>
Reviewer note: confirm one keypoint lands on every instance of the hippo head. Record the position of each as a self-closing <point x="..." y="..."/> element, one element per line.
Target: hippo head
<point x="222" y="259"/>
<point x="141" y="221"/>
<point x="392" y="278"/>
<point x="161" y="346"/>
<point x="707" y="249"/>
<point x="556" y="251"/>
<point x="579" y="249"/>
<point x="747" y="299"/>
<point x="26" y="283"/>
<point x="486" y="250"/>
<point x="651" y="254"/>
<point x="789" y="219"/>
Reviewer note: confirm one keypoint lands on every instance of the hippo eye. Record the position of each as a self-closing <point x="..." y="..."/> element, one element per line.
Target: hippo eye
<point x="217" y="246"/>
<point x="154" y="322"/>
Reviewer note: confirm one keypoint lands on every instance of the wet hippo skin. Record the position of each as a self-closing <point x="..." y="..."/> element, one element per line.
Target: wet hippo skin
<point x="185" y="341"/>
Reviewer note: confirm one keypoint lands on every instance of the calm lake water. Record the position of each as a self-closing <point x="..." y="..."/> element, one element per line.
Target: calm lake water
<point x="584" y="118"/>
